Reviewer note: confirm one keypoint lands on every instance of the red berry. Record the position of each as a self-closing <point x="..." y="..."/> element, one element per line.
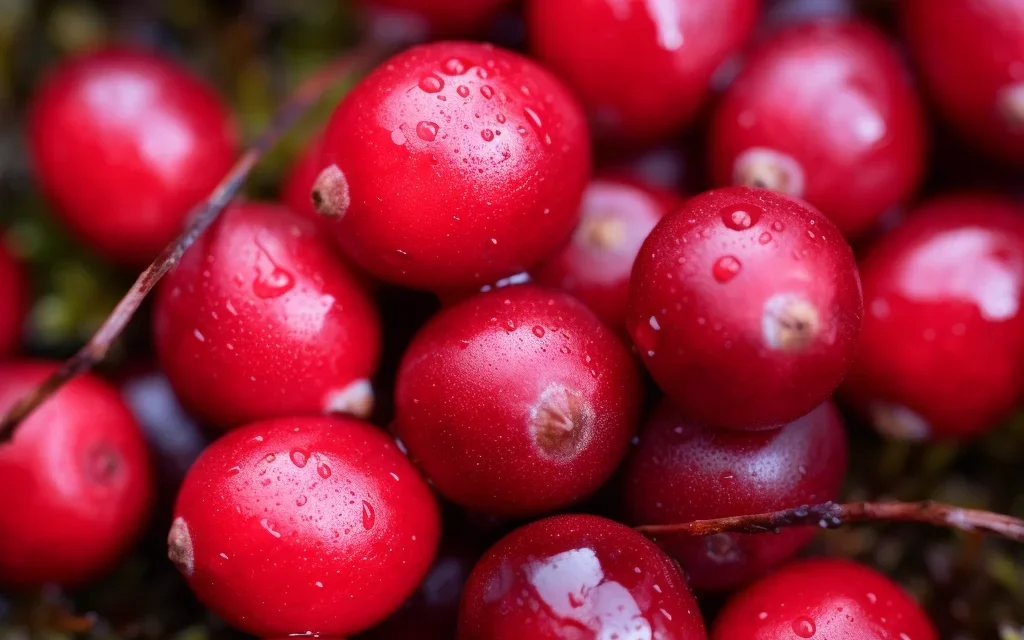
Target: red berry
<point x="826" y="599"/>
<point x="577" y="577"/>
<point x="641" y="68"/>
<point x="971" y="53"/>
<point x="125" y="143"/>
<point x="298" y="183"/>
<point x="615" y="219"/>
<point x="680" y="472"/>
<point x="745" y="305"/>
<point x="303" y="526"/>
<point x="823" y="111"/>
<point x="14" y="301"/>
<point x="444" y="17"/>
<point x="942" y="350"/>
<point x="517" y="402"/>
<point x="75" y="481"/>
<point x="261" y="319"/>
<point x="454" y="164"/>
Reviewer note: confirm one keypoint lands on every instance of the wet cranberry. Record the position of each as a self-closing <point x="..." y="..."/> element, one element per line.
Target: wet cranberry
<point x="14" y="301"/>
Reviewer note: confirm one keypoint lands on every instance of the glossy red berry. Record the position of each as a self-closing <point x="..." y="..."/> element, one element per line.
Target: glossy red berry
<point x="615" y="218"/>
<point x="125" y="143"/>
<point x="642" y="69"/>
<point x="745" y="305"/>
<point x="824" y="111"/>
<point x="942" y="350"/>
<point x="443" y="17"/>
<point x="14" y="301"/>
<point x="261" y="319"/>
<point x="454" y="164"/>
<point x="580" y="577"/>
<point x="75" y="482"/>
<point x="680" y="471"/>
<point x="517" y="402"/>
<point x="826" y="599"/>
<point x="298" y="183"/>
<point x="971" y="53"/>
<point x="303" y="526"/>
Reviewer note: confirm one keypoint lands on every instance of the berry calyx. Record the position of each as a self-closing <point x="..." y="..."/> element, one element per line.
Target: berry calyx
<point x="14" y="302"/>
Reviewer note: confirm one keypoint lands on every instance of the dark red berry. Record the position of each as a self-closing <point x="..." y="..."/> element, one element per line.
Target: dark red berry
<point x="577" y="577"/>
<point x="745" y="305"/>
<point x="125" y="143"/>
<point x="826" y="599"/>
<point x="517" y="402"/>
<point x="298" y="183"/>
<point x="443" y="17"/>
<point x="942" y="350"/>
<point x="14" y="302"/>
<point x="680" y="472"/>
<point x="454" y="164"/>
<point x="642" y="69"/>
<point x="75" y="482"/>
<point x="824" y="111"/>
<point x="304" y="526"/>
<point x="261" y="318"/>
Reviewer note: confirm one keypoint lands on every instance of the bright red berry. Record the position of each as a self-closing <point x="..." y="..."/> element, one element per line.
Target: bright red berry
<point x="745" y="305"/>
<point x="642" y="69"/>
<point x="680" y="472"/>
<point x="942" y="350"/>
<point x="580" y="577"/>
<point x="454" y="164"/>
<point x="261" y="318"/>
<point x="298" y="183"/>
<point x="517" y="402"/>
<point x="75" y="482"/>
<point x="125" y="143"/>
<point x="971" y="53"/>
<point x="443" y="17"/>
<point x="304" y="526"/>
<point x="14" y="301"/>
<point x="824" y="111"/>
<point x="826" y="599"/>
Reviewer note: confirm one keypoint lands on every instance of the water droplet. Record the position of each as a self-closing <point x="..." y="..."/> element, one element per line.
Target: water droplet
<point x="538" y="331"/>
<point x="764" y="238"/>
<point x="725" y="268"/>
<point x="234" y="471"/>
<point x="778" y="226"/>
<point x="740" y="217"/>
<point x="456" y="66"/>
<point x="368" y="515"/>
<point x="269" y="527"/>
<point x="299" y="458"/>
<point x="654" y="323"/>
<point x="300" y="501"/>
<point x="271" y="280"/>
<point x="487" y="92"/>
<point x="509" y="326"/>
<point x="534" y="119"/>
<point x="323" y="470"/>
<point x="872" y="598"/>
<point x="501" y="118"/>
<point x="431" y="84"/>
<point x="575" y="600"/>
<point x="398" y="137"/>
<point x="463" y="91"/>
<point x="270" y="458"/>
<point x="804" y="627"/>
<point x="487" y="135"/>
<point x="645" y="337"/>
<point x="427" y="131"/>
<point x="726" y="477"/>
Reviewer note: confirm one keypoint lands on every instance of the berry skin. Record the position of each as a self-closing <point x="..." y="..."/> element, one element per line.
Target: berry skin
<point x="615" y="218"/>
<point x="445" y="17"/>
<point x="942" y="350"/>
<point x="823" y="111"/>
<point x="745" y="305"/>
<point x="517" y="402"/>
<point x="577" y="577"/>
<point x="824" y="599"/>
<point x="979" y="85"/>
<point x="262" y="319"/>
<point x="298" y="183"/>
<point x="14" y="302"/>
<point x="668" y="475"/>
<point x="454" y="164"/>
<point x="304" y="525"/>
<point x="642" y="69"/>
<point x="125" y="143"/>
<point x="76" y="482"/>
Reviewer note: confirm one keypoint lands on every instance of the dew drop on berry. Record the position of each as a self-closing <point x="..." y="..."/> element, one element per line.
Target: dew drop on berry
<point x="778" y="226"/>
<point x="764" y="238"/>
<point x="740" y="217"/>
<point x="323" y="470"/>
<point x="804" y="627"/>
<point x="487" y="135"/>
<point x="300" y="501"/>
<point x="463" y="91"/>
<point x="270" y="458"/>
<point x="725" y="268"/>
<point x="299" y="458"/>
<point x="426" y="131"/>
<point x="487" y="92"/>
<point x="431" y="84"/>
<point x="456" y="66"/>
<point x="368" y="515"/>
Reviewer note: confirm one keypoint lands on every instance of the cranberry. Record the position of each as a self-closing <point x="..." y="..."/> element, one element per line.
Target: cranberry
<point x="303" y="526"/>
<point x="942" y="350"/>
<point x="745" y="305"/>
<point x="517" y="402"/>
<point x="824" y="111"/>
<point x="580" y="577"/>
<point x="454" y="164"/>
<point x="971" y="53"/>
<point x="826" y="599"/>
<point x="262" y="319"/>
<point x="642" y="69"/>
<point x="443" y="17"/>
<point x="615" y="219"/>
<point x="76" y="481"/>
<point x="298" y="183"/>
<point x="125" y="143"/>
<point x="680" y="472"/>
<point x="14" y="301"/>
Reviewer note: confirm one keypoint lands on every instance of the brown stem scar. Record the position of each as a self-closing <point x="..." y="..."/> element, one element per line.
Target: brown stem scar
<point x="789" y="323"/>
<point x="356" y="399"/>
<point x="561" y="421"/>
<point x="330" y="193"/>
<point x="603" y="232"/>
<point x="179" y="547"/>
<point x="769" y="169"/>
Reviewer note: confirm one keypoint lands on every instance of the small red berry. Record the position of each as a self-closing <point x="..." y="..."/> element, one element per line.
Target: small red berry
<point x="75" y="482"/>
<point x="680" y="472"/>
<point x="826" y="599"/>
<point x="942" y="350"/>
<point x="577" y="577"/>
<point x="745" y="305"/>
<point x="298" y="183"/>
<point x="454" y="164"/>
<point x="642" y="69"/>
<point x="14" y="302"/>
<point x="444" y="17"/>
<point x="125" y="143"/>
<point x="824" y="111"/>
<point x="261" y="318"/>
<point x="517" y="402"/>
<point x="303" y="526"/>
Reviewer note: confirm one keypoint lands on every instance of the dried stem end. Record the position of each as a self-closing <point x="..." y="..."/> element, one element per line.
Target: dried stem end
<point x="330" y="193"/>
<point x="602" y="233"/>
<point x="179" y="547"/>
<point x="356" y="399"/>
<point x="561" y="422"/>
<point x="769" y="169"/>
<point x="790" y="324"/>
